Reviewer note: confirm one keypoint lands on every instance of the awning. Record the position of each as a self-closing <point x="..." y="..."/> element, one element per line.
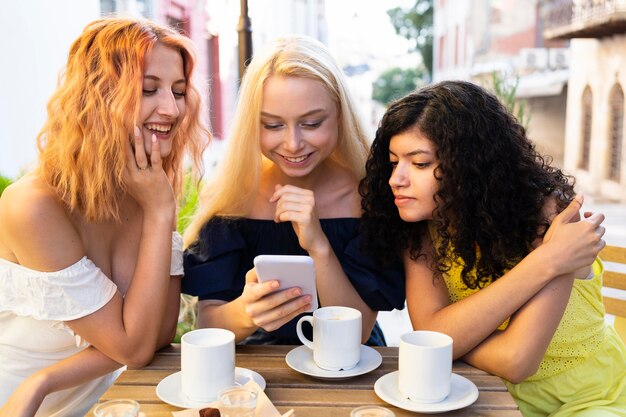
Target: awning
<point x="542" y="84"/>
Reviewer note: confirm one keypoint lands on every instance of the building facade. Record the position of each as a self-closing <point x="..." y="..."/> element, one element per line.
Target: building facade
<point x="37" y="57"/>
<point x="36" y="37"/>
<point x="594" y="145"/>
<point x="474" y="40"/>
<point x="269" y="19"/>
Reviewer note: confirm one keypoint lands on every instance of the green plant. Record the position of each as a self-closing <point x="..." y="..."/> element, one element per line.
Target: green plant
<point x="4" y="183"/>
<point x="186" y="316"/>
<point x="415" y="23"/>
<point x="395" y="83"/>
<point x="188" y="206"/>
<point x="506" y="90"/>
<point x="189" y="202"/>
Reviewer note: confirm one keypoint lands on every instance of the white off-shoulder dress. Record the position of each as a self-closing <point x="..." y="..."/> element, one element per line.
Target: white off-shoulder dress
<point x="33" y="308"/>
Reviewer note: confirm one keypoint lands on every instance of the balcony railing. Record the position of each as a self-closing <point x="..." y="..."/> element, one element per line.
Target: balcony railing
<point x="566" y="19"/>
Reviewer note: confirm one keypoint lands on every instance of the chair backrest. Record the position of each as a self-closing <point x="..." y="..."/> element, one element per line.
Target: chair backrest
<point x="615" y="279"/>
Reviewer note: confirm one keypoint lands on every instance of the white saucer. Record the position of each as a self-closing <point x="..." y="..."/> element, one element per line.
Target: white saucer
<point x="301" y="359"/>
<point x="463" y="392"/>
<point x="169" y="389"/>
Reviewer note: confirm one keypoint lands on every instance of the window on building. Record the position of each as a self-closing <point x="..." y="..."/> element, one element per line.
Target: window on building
<point x="456" y="46"/>
<point x="215" y="92"/>
<point x="442" y="44"/>
<point x="182" y="26"/>
<point x="616" y="132"/>
<point x="586" y="119"/>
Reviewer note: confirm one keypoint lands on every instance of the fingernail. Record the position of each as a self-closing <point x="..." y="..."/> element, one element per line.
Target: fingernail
<point x="275" y="284"/>
<point x="579" y="197"/>
<point x="137" y="131"/>
<point x="154" y="139"/>
<point x="297" y="291"/>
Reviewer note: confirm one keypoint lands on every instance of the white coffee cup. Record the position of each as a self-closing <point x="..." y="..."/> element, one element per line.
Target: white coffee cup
<point x="336" y="341"/>
<point x="425" y="366"/>
<point x="207" y="363"/>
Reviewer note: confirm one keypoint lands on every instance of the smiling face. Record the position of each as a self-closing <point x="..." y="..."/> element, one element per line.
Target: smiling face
<point x="412" y="180"/>
<point x="299" y="124"/>
<point x="163" y="98"/>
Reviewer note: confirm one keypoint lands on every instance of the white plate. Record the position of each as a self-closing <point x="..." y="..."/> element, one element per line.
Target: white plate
<point x="169" y="389"/>
<point x="301" y="360"/>
<point x="463" y="392"/>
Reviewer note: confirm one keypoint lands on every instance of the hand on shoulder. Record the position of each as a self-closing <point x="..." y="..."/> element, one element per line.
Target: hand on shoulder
<point x="573" y="243"/>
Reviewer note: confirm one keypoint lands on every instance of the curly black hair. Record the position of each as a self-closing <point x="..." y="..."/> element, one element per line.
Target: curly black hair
<point x="492" y="183"/>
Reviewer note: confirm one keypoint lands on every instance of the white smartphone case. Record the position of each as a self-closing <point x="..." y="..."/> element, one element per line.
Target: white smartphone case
<point x="290" y="271"/>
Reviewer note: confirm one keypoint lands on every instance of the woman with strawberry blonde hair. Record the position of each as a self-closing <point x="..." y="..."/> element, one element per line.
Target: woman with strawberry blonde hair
<point x="89" y="264"/>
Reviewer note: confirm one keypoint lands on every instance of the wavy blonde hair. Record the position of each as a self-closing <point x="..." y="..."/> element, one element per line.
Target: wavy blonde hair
<point x="83" y="144"/>
<point x="236" y="183"/>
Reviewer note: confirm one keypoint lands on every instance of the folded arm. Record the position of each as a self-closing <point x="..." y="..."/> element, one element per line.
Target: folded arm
<point x="511" y="353"/>
<point x="471" y="320"/>
<point x="566" y="248"/>
<point x="81" y="367"/>
<point x="75" y="370"/>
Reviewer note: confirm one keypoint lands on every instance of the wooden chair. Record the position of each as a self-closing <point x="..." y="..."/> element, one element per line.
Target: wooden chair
<point x="617" y="281"/>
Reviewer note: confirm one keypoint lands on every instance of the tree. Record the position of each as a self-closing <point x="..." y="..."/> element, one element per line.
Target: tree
<point x="506" y="89"/>
<point x="395" y="83"/>
<point x="416" y="24"/>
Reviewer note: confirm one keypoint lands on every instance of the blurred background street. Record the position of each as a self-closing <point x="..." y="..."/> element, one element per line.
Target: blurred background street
<point x="557" y="65"/>
<point x="560" y="67"/>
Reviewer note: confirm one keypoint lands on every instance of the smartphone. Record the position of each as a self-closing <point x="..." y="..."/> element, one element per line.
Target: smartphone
<point x="290" y="271"/>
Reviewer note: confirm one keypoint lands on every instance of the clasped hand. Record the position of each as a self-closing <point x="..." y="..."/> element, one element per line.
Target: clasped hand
<point x="577" y="242"/>
<point x="297" y="205"/>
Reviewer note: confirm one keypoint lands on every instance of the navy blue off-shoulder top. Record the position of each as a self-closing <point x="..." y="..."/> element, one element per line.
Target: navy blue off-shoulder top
<point x="216" y="265"/>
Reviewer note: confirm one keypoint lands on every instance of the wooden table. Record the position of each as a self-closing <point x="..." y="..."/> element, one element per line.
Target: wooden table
<point x="310" y="397"/>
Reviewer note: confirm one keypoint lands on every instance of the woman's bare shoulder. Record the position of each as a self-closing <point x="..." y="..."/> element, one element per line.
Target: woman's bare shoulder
<point x="29" y="200"/>
<point x="36" y="227"/>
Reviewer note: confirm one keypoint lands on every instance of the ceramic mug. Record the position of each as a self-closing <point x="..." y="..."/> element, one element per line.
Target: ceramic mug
<point x="336" y="341"/>
<point x="207" y="363"/>
<point x="425" y="366"/>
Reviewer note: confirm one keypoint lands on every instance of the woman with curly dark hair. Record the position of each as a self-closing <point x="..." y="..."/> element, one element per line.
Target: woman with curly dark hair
<point x="492" y="244"/>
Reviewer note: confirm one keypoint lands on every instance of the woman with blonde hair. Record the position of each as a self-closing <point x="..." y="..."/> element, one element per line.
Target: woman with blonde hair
<point x="287" y="185"/>
<point x="89" y="264"/>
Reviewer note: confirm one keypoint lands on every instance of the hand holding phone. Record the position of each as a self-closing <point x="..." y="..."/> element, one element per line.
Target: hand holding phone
<point x="290" y="271"/>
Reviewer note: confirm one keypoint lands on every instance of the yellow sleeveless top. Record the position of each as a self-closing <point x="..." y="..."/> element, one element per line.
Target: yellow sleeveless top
<point x="582" y="328"/>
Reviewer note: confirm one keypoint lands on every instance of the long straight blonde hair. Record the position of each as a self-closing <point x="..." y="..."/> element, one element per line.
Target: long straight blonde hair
<point x="236" y="183"/>
<point x="83" y="144"/>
